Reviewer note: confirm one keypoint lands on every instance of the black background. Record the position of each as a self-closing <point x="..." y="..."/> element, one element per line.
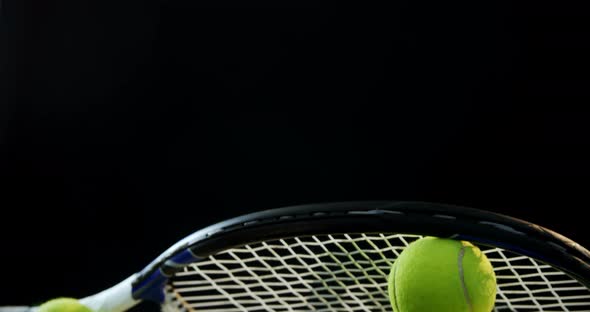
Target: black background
<point x="127" y="125"/>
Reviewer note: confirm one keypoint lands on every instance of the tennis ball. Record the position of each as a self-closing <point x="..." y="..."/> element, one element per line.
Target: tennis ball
<point x="63" y="305"/>
<point x="443" y="275"/>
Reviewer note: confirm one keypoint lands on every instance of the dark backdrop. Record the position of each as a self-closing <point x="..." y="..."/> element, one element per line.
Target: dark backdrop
<point x="127" y="125"/>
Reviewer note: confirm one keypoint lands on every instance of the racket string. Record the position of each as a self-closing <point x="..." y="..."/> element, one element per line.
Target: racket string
<point x="347" y="272"/>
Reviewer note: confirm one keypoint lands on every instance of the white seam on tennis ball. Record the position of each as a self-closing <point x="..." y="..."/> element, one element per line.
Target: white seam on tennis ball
<point x="462" y="277"/>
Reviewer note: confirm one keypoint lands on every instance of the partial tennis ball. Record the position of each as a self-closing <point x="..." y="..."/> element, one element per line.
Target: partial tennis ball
<point x="443" y="275"/>
<point x="63" y="305"/>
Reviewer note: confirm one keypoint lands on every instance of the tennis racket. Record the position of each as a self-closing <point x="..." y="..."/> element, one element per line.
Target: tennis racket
<point x="336" y="257"/>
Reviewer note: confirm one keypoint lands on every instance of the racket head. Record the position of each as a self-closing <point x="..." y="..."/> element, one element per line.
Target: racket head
<point x="259" y="245"/>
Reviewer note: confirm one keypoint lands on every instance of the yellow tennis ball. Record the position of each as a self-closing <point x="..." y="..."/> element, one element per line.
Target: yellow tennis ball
<point x="443" y="275"/>
<point x="63" y="305"/>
